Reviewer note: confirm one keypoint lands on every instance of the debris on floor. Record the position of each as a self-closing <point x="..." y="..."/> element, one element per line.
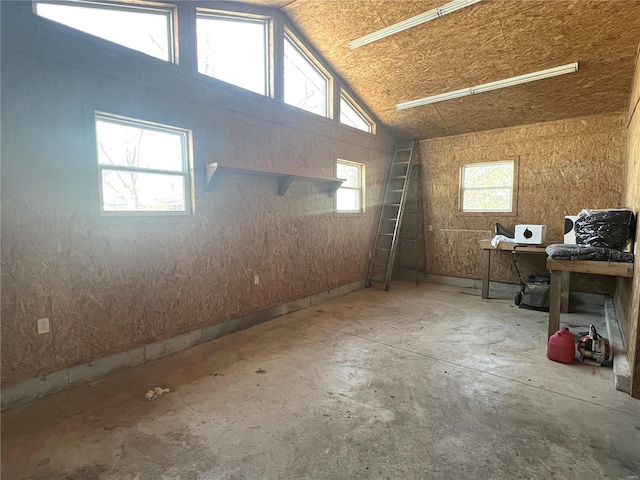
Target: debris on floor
<point x="261" y="370"/>
<point x="155" y="393"/>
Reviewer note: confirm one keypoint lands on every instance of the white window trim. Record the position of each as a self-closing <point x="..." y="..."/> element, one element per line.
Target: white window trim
<point x="511" y="187"/>
<point x="359" y="111"/>
<point x="126" y="5"/>
<point x="248" y="18"/>
<point x="187" y="172"/>
<point x="362" y="188"/>
<point x="304" y="51"/>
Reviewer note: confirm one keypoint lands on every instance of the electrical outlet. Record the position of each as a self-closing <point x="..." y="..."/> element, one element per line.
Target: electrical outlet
<point x="43" y="325"/>
<point x="431" y="228"/>
<point x="256" y="280"/>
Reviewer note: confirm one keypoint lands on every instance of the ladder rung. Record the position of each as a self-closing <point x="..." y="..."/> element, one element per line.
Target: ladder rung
<point x="380" y="265"/>
<point x="395" y="190"/>
<point x="401" y="163"/>
<point x="401" y="176"/>
<point x="385" y="234"/>
<point x="391" y="204"/>
<point x="391" y="219"/>
<point x="384" y="249"/>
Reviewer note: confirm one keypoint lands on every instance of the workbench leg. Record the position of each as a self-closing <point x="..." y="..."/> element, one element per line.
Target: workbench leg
<point x="486" y="267"/>
<point x="554" y="302"/>
<point x="564" y="295"/>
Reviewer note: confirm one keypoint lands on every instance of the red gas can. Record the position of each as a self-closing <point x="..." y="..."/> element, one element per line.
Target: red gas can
<point x="561" y="346"/>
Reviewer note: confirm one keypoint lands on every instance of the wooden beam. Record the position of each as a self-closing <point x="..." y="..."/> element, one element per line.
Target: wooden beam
<point x="564" y="292"/>
<point x="555" y="302"/>
<point x="486" y="271"/>
<point x="615" y="269"/>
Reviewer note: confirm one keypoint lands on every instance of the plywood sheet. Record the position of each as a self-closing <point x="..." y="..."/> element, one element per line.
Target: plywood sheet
<point x="628" y="290"/>
<point x="486" y="42"/>
<point x="557" y="162"/>
<point x="112" y="285"/>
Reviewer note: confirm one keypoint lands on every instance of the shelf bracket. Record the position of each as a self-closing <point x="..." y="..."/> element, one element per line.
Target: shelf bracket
<point x="333" y="187"/>
<point x="284" y="182"/>
<point x="212" y="178"/>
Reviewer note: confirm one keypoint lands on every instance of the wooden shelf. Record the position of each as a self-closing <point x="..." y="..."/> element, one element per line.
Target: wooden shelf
<point x="519" y="247"/>
<point x="329" y="185"/>
<point x="615" y="269"/>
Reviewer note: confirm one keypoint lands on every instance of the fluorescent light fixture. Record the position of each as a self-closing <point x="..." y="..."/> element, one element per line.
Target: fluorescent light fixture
<point x="412" y="22"/>
<point x="486" y="87"/>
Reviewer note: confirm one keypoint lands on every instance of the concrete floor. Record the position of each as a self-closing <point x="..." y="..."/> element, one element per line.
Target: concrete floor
<point x="418" y="382"/>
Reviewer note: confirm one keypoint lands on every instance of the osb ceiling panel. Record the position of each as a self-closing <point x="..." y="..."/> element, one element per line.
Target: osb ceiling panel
<point x="489" y="41"/>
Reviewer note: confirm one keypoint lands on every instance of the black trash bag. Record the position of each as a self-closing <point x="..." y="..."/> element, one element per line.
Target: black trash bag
<point x="576" y="252"/>
<point x="605" y="228"/>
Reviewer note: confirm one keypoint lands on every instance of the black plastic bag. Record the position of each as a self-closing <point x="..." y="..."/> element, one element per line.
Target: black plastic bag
<point x="576" y="252"/>
<point x="605" y="228"/>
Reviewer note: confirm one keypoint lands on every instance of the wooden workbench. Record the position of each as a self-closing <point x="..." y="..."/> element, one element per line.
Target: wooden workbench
<point x="560" y="270"/>
<point x="486" y="248"/>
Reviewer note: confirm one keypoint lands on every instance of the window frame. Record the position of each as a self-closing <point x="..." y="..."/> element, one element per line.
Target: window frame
<point x="490" y="213"/>
<point x="239" y="16"/>
<point x="344" y="96"/>
<point x="362" y="188"/>
<point x="317" y="65"/>
<point x="125" y="5"/>
<point x="187" y="164"/>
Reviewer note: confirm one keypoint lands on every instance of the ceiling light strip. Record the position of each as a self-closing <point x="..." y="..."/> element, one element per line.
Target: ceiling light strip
<point x="412" y="22"/>
<point x="486" y="87"/>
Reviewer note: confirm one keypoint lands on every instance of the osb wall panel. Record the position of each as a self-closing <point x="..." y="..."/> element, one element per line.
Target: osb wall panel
<point x="482" y="43"/>
<point x="564" y="166"/>
<point x="628" y="291"/>
<point x="111" y="285"/>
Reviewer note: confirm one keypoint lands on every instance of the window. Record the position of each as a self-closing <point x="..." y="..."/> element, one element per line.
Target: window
<point x="349" y="197"/>
<point x="305" y="86"/>
<point x="234" y="49"/>
<point x="350" y="115"/>
<point x="148" y="29"/>
<point x="487" y="187"/>
<point x="142" y="167"/>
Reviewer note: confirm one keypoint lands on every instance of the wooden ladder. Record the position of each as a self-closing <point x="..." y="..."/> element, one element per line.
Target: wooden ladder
<point x="395" y="197"/>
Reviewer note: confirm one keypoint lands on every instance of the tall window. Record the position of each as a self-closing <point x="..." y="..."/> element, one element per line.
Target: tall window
<point x="305" y="86"/>
<point x="350" y="115"/>
<point x="349" y="197"/>
<point x="143" y="167"/>
<point x="234" y="49"/>
<point x="487" y="187"/>
<point x="148" y="29"/>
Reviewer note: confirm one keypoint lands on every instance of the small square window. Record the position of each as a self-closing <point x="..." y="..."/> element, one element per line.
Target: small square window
<point x="351" y="115"/>
<point x="305" y="85"/>
<point x="487" y="187"/>
<point x="350" y="195"/>
<point x="234" y="49"/>
<point x="147" y="29"/>
<point x="143" y="167"/>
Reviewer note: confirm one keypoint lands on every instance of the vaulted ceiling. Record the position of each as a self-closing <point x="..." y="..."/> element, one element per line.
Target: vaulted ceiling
<point x="488" y="41"/>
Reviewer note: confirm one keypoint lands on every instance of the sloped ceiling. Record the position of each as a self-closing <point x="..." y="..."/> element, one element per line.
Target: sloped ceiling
<point x="488" y="41"/>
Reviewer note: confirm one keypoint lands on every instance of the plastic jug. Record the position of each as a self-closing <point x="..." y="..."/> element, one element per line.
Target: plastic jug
<point x="561" y="346"/>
